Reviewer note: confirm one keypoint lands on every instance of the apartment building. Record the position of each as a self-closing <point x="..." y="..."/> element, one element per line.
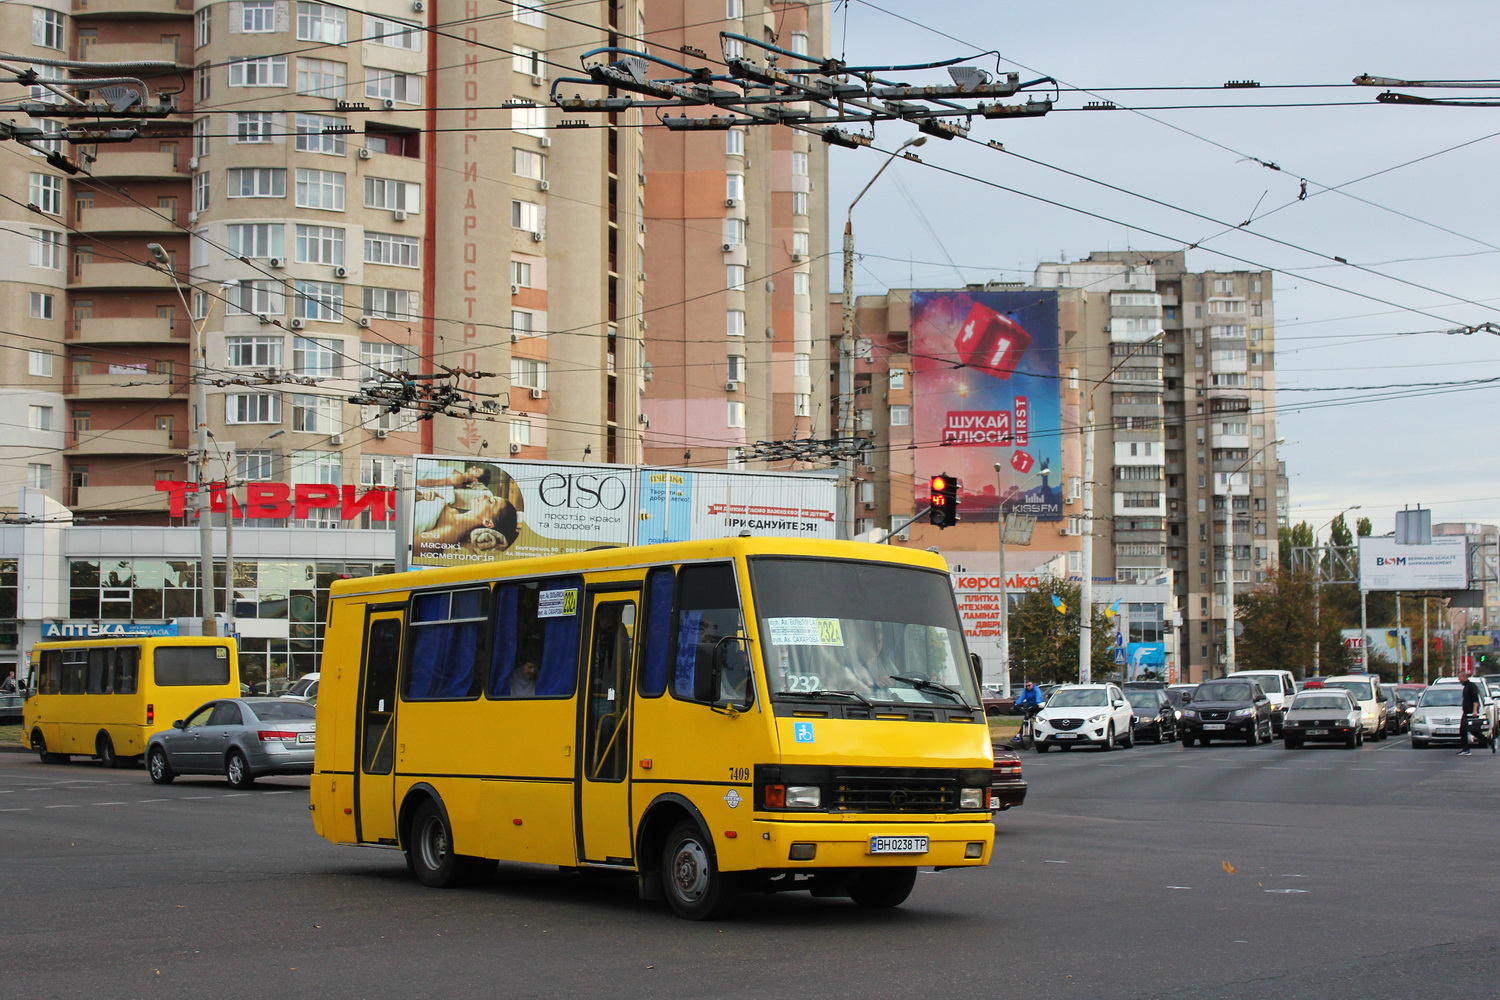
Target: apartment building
<point x="736" y="224"/>
<point x="1170" y="373"/>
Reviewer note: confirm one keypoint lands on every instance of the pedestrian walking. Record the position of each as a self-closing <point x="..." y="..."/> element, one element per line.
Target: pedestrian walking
<point x="1470" y="719"/>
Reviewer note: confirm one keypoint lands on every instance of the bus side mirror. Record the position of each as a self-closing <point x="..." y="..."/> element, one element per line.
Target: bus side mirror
<point x="728" y="680"/>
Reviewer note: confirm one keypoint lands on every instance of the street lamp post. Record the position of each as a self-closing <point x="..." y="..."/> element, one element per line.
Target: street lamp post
<point x="1004" y="520"/>
<point x="1229" y="555"/>
<point x="1086" y="584"/>
<point x="846" y="340"/>
<point x="1318" y="594"/>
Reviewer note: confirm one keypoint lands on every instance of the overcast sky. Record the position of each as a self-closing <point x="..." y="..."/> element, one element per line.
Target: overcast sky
<point x="1426" y="226"/>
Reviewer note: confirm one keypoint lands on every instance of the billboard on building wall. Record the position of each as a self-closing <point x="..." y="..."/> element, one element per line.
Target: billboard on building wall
<point x="1385" y="564"/>
<point x="988" y="392"/>
<point x="466" y="510"/>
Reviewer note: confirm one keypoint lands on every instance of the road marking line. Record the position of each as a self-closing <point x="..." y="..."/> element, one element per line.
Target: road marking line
<point x="65" y="805"/>
<point x="200" y="797"/>
<point x="233" y="795"/>
<point x="153" y="800"/>
<point x="288" y="791"/>
<point x="23" y="809"/>
<point x="110" y="803"/>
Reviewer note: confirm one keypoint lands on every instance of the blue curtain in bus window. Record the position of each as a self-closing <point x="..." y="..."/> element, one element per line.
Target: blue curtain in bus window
<point x="442" y="660"/>
<point x="690" y="626"/>
<point x="559" y="670"/>
<point x="503" y="644"/>
<point x="655" y="658"/>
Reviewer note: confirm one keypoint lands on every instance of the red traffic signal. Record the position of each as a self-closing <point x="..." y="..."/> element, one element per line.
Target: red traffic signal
<point x="943" y="500"/>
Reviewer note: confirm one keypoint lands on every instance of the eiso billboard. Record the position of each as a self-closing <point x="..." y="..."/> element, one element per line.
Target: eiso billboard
<point x="467" y="510"/>
<point x="1385" y="564"/>
<point x="986" y="364"/>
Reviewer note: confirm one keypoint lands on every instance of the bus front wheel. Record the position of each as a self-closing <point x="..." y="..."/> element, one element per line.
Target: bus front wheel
<point x="690" y="876"/>
<point x="39" y="744"/>
<point x="882" y="888"/>
<point x="429" y="852"/>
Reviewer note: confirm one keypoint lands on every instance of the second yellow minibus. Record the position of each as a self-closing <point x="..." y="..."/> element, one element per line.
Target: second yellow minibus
<point x="718" y="717"/>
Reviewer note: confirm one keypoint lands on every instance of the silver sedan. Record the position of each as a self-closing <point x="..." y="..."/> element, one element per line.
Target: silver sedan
<point x="240" y="738"/>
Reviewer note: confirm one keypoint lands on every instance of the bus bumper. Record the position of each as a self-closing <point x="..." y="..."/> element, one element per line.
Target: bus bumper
<point x="811" y="845"/>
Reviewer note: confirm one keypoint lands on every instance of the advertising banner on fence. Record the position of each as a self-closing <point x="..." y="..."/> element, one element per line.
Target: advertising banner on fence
<point x="1384" y="564"/>
<point x="467" y="511"/>
<point x="988" y="375"/>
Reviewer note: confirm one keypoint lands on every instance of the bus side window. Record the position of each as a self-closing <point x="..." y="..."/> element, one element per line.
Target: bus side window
<point x="75" y="668"/>
<point x="49" y="672"/>
<point x="447" y="643"/>
<point x="127" y="663"/>
<point x="708" y="610"/>
<point x="656" y="634"/>
<point x="101" y="670"/>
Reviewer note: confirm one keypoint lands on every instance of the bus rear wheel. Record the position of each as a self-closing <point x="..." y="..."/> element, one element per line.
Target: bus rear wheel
<point x="690" y="876"/>
<point x="429" y="852"/>
<point x="883" y="888"/>
<point x="39" y="744"/>
<point x="104" y="749"/>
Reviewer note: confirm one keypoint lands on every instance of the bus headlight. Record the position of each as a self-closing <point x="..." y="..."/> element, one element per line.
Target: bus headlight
<point x="804" y="797"/>
<point x="971" y="798"/>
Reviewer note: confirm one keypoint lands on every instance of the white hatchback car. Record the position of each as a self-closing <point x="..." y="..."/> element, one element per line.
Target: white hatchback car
<point x="1085" y="714"/>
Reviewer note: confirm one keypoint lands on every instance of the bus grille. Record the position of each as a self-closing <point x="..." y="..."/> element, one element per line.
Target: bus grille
<point x="874" y="792"/>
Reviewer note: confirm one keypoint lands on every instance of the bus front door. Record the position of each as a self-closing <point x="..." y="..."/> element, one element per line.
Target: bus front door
<point x="375" y="796"/>
<point x="604" y="787"/>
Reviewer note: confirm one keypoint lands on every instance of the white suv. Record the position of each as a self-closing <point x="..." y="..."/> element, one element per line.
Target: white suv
<point x="1096" y="714"/>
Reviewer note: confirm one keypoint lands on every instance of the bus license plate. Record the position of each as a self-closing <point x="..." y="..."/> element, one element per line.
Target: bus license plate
<point x="1213" y="725"/>
<point x="306" y="737"/>
<point x="898" y="845"/>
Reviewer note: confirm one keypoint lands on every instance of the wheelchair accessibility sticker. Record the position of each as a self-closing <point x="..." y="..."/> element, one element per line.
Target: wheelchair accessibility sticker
<point x="802" y="732"/>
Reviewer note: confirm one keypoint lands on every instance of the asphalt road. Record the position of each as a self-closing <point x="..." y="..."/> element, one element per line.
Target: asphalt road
<point x="1162" y="872"/>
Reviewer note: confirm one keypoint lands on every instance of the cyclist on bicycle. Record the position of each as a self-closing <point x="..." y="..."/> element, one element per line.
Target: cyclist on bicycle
<point x="1028" y="703"/>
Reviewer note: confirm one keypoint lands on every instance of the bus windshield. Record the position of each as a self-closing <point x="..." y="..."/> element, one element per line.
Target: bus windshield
<point x="869" y="631"/>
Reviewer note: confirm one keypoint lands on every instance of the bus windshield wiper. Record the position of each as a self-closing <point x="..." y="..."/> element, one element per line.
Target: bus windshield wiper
<point x="815" y="695"/>
<point x="923" y="684"/>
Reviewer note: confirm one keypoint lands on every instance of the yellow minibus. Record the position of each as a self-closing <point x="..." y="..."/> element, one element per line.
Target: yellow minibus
<point x="712" y="717"/>
<point x="105" y="697"/>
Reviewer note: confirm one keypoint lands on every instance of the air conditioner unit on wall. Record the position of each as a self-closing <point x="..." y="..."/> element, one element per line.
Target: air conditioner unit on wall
<point x="515" y="449"/>
<point x="731" y="203"/>
<point x="398" y="216"/>
<point x="536" y="393"/>
<point x="335" y="439"/>
<point x="381" y="434"/>
<point x="277" y="262"/>
<point x="364" y="321"/>
<point x="297" y="323"/>
<point x="731" y="385"/>
<point x="543" y="186"/>
<point x="364" y="153"/>
<point x="341" y="272"/>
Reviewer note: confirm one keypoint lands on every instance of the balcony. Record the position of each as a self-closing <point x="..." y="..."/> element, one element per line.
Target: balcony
<point x="134" y="53"/>
<point x="119" y="385"/>
<point x="117" y="164"/>
<point x="122" y="442"/>
<point x="133" y="10"/>
<point x="121" y="275"/>
<point x="126" y="219"/>
<point x="134" y="498"/>
<point x="134" y="330"/>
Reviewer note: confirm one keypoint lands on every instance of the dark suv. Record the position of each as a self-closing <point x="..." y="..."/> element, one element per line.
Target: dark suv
<point x="1227" y="709"/>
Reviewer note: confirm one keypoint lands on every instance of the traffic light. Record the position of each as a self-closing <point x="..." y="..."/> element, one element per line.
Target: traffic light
<point x="943" y="499"/>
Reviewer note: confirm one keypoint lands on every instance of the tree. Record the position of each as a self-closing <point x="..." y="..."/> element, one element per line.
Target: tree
<point x="1044" y="643"/>
<point x="1277" y="618"/>
<point x="1298" y="536"/>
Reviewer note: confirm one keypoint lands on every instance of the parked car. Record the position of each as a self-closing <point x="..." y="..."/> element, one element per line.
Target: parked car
<point x="1397" y="711"/>
<point x="1227" y="709"/>
<point x="1085" y="714"/>
<point x="240" y="738"/>
<point x="1279" y="686"/>
<point x="1155" y="718"/>
<point x="1366" y="691"/>
<point x="1329" y="715"/>
<point x="1007" y="787"/>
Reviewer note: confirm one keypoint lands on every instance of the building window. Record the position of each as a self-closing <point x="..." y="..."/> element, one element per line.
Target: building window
<point x="799" y="164"/>
<point x="734" y="322"/>
<point x="317" y="22"/>
<point x="801" y="283"/>
<point x="318" y="134"/>
<point x="520" y="274"/>
<point x="254" y="298"/>
<point x="384" y="356"/>
<point x="735" y="277"/>
<point x="525" y="163"/>
<point x="734" y="142"/>
<point x="389" y="248"/>
<point x="257" y="16"/>
<point x="736" y="415"/>
<point x="203" y="26"/>
<point x="393" y="33"/>
<point x="253" y="352"/>
<point x="391" y="303"/>
<point x="255" y="465"/>
<point x="252" y="408"/>
<point x="318" y="300"/>
<point x="389" y="85"/>
<point x="522" y="323"/>
<point x="733" y="48"/>
<point x="41" y="305"/>
<point x="39" y="363"/>
<point x="734" y="10"/>
<point x="253" y="126"/>
<point x="799" y="202"/>
<point x="736" y="368"/>
<point x="526" y="216"/>
<point x="40" y="418"/>
<point x="39" y="476"/>
<point x="313" y="414"/>
<point x="258" y="71"/>
<point x="525" y="60"/>
<point x="734" y="232"/>
<point x="528" y="374"/>
<point x="46" y="193"/>
<point x="320" y="245"/>
<point x="316" y="356"/>
<point x="256" y="240"/>
<point x="529" y="121"/>
<point x="395" y="196"/>
<point x="202" y="186"/>
<point x="520" y="432"/>
<point x="900" y="416"/>
<point x="532" y="16"/>
<point x="801" y="245"/>
<point x="799" y="42"/>
<point x="256" y="182"/>
<point x="320" y="189"/>
<point x="321" y="78"/>
<point x="47" y="28"/>
<point x="734" y="187"/>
